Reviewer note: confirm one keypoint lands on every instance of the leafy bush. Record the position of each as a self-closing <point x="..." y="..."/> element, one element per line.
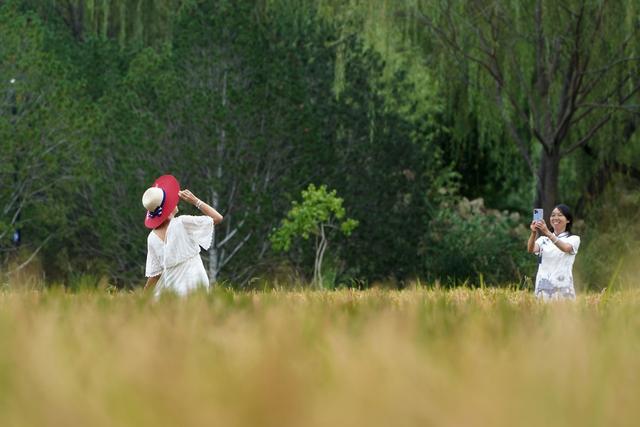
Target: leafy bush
<point x="468" y="242"/>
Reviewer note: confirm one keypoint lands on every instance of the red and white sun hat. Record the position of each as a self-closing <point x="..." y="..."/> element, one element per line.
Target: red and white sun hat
<point x="160" y="200"/>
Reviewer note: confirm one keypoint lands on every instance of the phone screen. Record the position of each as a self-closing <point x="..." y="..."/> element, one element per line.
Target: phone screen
<point x="537" y="214"/>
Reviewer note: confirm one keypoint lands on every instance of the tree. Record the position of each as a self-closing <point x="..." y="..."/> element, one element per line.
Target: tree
<point x="320" y="213"/>
<point x="560" y="71"/>
<point x="551" y="72"/>
<point x="221" y="114"/>
<point x="246" y="103"/>
<point x="131" y="22"/>
<point x="43" y="122"/>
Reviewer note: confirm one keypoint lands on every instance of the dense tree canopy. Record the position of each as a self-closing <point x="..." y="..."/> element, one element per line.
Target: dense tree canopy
<point x="408" y="112"/>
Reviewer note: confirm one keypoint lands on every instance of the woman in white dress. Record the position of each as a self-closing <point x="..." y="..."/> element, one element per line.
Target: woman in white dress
<point x="173" y="245"/>
<point x="556" y="250"/>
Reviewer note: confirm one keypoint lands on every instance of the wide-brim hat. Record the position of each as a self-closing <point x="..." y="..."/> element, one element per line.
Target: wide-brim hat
<point x="160" y="200"/>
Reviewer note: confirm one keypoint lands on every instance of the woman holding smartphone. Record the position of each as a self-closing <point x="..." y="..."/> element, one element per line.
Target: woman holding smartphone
<point x="556" y="250"/>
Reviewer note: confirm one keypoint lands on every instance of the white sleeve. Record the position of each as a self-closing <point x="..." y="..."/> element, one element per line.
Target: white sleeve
<point x="153" y="267"/>
<point x="199" y="228"/>
<point x="574" y="241"/>
<point x="539" y="241"/>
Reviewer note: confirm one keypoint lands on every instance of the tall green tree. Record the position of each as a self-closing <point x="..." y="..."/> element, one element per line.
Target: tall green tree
<point x="43" y="133"/>
<point x="551" y="74"/>
<point x="246" y="103"/>
<point x="136" y="23"/>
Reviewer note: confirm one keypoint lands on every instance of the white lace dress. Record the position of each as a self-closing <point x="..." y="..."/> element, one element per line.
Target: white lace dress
<point x="177" y="258"/>
<point x="555" y="272"/>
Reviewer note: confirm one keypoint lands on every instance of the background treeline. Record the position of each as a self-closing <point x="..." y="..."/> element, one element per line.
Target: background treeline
<point x="248" y="102"/>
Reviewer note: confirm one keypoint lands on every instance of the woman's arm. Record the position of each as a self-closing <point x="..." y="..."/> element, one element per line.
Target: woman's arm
<point x="532" y="247"/>
<point x="151" y="282"/>
<point x="209" y="211"/>
<point x="189" y="197"/>
<point x="563" y="246"/>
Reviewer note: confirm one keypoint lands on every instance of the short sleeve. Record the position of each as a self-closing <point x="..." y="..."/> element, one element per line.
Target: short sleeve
<point x="199" y="228"/>
<point x="574" y="241"/>
<point x="154" y="266"/>
<point x="539" y="242"/>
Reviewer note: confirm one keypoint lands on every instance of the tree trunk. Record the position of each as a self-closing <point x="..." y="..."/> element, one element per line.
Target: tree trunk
<point x="547" y="181"/>
<point x="213" y="250"/>
<point x="215" y="258"/>
<point x="321" y="246"/>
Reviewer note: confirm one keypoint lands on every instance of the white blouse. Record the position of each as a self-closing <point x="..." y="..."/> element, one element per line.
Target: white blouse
<point x="555" y="269"/>
<point x="177" y="258"/>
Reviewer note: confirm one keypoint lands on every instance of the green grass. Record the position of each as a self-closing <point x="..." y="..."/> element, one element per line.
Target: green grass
<point x="346" y="358"/>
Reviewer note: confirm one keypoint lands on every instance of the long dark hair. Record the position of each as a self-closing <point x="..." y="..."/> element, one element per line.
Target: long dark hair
<point x="566" y="211"/>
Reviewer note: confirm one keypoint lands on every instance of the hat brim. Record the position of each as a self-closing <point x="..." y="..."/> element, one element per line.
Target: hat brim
<point x="171" y="188"/>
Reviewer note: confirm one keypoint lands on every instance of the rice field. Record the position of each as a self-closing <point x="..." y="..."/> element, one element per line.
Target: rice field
<point x="419" y="357"/>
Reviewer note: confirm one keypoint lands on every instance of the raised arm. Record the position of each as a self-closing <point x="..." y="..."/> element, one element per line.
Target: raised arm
<point x="189" y="197"/>
<point x="541" y="226"/>
<point x="532" y="247"/>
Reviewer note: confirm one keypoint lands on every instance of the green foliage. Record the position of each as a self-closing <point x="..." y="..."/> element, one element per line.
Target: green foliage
<point x="133" y="23"/>
<point x="609" y="255"/>
<point x="44" y="129"/>
<point x="247" y="103"/>
<point x="320" y="213"/>
<point x="319" y="209"/>
<point x="541" y="78"/>
<point x="470" y="242"/>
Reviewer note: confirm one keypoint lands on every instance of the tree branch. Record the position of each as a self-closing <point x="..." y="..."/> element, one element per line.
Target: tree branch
<point x="228" y="258"/>
<point x="588" y="136"/>
<point x="24" y="264"/>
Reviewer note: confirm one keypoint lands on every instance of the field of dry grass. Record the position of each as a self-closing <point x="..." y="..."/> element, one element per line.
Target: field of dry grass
<point x="344" y="358"/>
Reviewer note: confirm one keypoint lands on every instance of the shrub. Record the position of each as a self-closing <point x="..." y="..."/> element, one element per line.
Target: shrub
<point x="468" y="242"/>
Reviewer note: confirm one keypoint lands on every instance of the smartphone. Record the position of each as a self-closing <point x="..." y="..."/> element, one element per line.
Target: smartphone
<point x="538" y="215"/>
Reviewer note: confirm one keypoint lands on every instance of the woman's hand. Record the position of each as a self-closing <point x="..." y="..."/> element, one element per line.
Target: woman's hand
<point x="188" y="197"/>
<point x="531" y="243"/>
<point x="542" y="227"/>
<point x="533" y="226"/>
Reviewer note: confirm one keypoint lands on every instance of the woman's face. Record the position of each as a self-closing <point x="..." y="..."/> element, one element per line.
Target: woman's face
<point x="558" y="221"/>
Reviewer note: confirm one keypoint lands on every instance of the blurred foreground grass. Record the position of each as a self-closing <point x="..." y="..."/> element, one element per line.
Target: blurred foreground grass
<point x="344" y="358"/>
